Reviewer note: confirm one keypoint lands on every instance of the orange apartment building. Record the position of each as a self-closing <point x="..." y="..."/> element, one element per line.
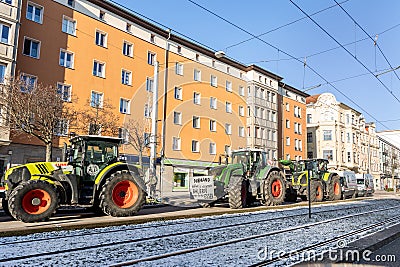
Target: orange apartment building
<point x="96" y="51"/>
<point x="292" y="126"/>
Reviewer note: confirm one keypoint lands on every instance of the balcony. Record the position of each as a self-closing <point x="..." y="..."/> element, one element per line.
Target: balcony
<point x="8" y="11"/>
<point x="6" y="51"/>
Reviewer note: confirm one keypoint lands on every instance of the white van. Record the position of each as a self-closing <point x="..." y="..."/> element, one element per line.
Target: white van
<point x="365" y="183"/>
<point x="348" y="181"/>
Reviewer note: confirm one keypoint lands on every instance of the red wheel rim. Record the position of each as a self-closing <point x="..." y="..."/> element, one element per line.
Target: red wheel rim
<point x="36" y="201"/>
<point x="336" y="189"/>
<point x="276" y="188"/>
<point x="125" y="194"/>
<point x="319" y="192"/>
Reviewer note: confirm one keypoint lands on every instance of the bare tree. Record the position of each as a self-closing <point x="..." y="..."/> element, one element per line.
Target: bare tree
<point x="136" y="136"/>
<point x="36" y="109"/>
<point x="99" y="118"/>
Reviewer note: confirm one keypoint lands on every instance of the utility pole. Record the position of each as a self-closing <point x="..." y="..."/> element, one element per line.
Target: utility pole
<point x="154" y="119"/>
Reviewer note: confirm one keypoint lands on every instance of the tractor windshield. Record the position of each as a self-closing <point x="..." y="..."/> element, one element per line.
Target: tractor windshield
<point x="101" y="152"/>
<point x="240" y="158"/>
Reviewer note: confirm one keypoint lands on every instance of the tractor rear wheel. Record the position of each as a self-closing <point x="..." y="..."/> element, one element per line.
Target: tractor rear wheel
<point x="317" y="191"/>
<point x="33" y="201"/>
<point x="4" y="204"/>
<point x="122" y="195"/>
<point x="335" y="189"/>
<point x="237" y="192"/>
<point x="274" y="189"/>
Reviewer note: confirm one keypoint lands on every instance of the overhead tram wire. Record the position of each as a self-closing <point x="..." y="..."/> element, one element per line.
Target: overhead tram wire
<point x="285" y="25"/>
<point x="289" y="55"/>
<point x="333" y="38"/>
<point x="375" y="42"/>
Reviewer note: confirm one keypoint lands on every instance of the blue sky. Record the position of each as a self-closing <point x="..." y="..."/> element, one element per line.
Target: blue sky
<point x="301" y="39"/>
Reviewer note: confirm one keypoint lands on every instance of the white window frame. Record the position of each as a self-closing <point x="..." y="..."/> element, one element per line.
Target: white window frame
<point x="151" y="56"/>
<point x="241" y="111"/>
<point x="228" y="107"/>
<point x="241" y="90"/>
<point x="178" y="116"/>
<point x="241" y="131"/>
<point x="28" y="86"/>
<point x="1" y="33"/>
<point x="214" y="81"/>
<point x="62" y="128"/>
<point x="127" y="49"/>
<point x="287" y="141"/>
<point x="213" y="126"/>
<point x="176" y="143"/>
<point x="228" y="128"/>
<point x="149" y="84"/>
<point x="126" y="74"/>
<point x="196" y="98"/>
<point x="195" y="146"/>
<point x="62" y="87"/>
<point x="196" y="122"/>
<point x="213" y="148"/>
<point x="178" y="68"/>
<point x="197" y="75"/>
<point x="122" y="108"/>
<point x="66" y="53"/>
<point x="97" y="73"/>
<point x="178" y="93"/>
<point x="33" y="13"/>
<point x="98" y="41"/>
<point x="30" y="52"/>
<point x="101" y="98"/>
<point x="213" y="102"/>
<point x="228" y="86"/>
<point x="69" y="21"/>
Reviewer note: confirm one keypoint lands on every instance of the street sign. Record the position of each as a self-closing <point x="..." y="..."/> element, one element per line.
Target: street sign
<point x="201" y="187"/>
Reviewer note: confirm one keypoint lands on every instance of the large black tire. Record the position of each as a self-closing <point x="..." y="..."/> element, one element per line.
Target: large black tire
<point x="237" y="192"/>
<point x="33" y="201"/>
<point x="274" y="189"/>
<point x="317" y="191"/>
<point x="122" y="195"/>
<point x="335" y="189"/>
<point x="4" y="204"/>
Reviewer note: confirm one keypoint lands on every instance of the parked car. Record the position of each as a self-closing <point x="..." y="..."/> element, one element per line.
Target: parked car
<point x="348" y="181"/>
<point x="365" y="183"/>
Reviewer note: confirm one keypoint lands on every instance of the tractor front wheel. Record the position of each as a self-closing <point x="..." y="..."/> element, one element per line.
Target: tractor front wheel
<point x="33" y="201"/>
<point x="122" y="195"/>
<point x="274" y="189"/>
<point x="335" y="189"/>
<point x="237" y="192"/>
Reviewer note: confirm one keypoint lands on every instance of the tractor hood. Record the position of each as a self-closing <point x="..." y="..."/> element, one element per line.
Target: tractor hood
<point x="228" y="171"/>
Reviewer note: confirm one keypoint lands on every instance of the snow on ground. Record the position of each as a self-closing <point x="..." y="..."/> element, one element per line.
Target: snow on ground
<point x="243" y="253"/>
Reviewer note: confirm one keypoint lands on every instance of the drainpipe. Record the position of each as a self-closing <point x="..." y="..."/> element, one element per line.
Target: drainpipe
<point x="16" y="36"/>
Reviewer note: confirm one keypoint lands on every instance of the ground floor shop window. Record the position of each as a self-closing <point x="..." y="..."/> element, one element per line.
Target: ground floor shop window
<point x="181" y="180"/>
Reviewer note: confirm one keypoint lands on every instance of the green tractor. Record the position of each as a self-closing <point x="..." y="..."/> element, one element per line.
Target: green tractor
<point x="92" y="177"/>
<point x="323" y="184"/>
<point x="246" y="179"/>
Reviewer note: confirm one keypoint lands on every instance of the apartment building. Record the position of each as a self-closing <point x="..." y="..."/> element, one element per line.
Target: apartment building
<point x="262" y="110"/>
<point x="369" y="149"/>
<point x="96" y="51"/>
<point x="9" y="27"/>
<point x="292" y="123"/>
<point x="333" y="132"/>
<point x="389" y="154"/>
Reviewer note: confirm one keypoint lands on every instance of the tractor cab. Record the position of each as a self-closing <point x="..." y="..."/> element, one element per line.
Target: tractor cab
<point x="252" y="160"/>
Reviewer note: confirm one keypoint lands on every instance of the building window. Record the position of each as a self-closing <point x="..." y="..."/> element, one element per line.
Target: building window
<point x="149" y="84"/>
<point x="227" y="149"/>
<point x="31" y="48"/>
<point x="69" y="25"/>
<point x="228" y="86"/>
<point x="273" y="116"/>
<point x="66" y="59"/>
<point x="241" y="111"/>
<point x="241" y="90"/>
<point x="228" y="107"/>
<point x="179" y="49"/>
<point x="213" y="103"/>
<point x="327" y="135"/>
<point x="98" y="69"/>
<point x="177" y="118"/>
<point x="96" y="100"/>
<point x="176" y="143"/>
<point x="124" y="106"/>
<point x="309" y="137"/>
<point x="287" y="107"/>
<point x="213" y="126"/>
<point x="228" y="128"/>
<point x="241" y="131"/>
<point x="196" y="122"/>
<point x="178" y="93"/>
<point x="101" y="39"/>
<point x="179" y="68"/>
<point x="213" y="149"/>
<point x="2" y="74"/>
<point x="126" y="77"/>
<point x="127" y="49"/>
<point x="128" y="27"/>
<point x="123" y="133"/>
<point x="29" y="82"/>
<point x="310" y="155"/>
<point x="196" y="98"/>
<point x="288" y="141"/>
<point x="102" y="15"/>
<point x="64" y="91"/>
<point x="309" y="118"/>
<point x="34" y="12"/>
<point x="195" y="146"/>
<point x="152" y="38"/>
<point x="213" y="81"/>
<point x="327" y="154"/>
<point x="197" y="75"/>
<point x="4" y="32"/>
<point x="62" y="128"/>
<point x="348" y="156"/>
<point x="147" y="111"/>
<point x="288" y="124"/>
<point x="71" y="3"/>
<point x="151" y="58"/>
<point x="348" y="137"/>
